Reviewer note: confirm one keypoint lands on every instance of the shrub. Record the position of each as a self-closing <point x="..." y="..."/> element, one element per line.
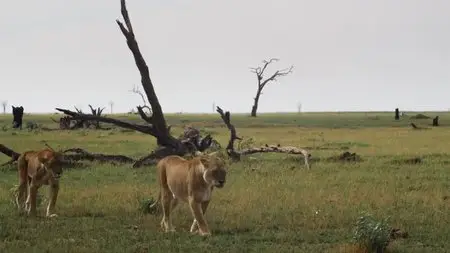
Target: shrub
<point x="372" y="234"/>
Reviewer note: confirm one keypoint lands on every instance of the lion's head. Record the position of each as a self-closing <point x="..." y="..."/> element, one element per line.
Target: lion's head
<point x="53" y="163"/>
<point x="216" y="169"/>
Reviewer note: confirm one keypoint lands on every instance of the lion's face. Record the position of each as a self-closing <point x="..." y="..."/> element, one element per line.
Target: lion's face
<point x="216" y="171"/>
<point x="216" y="177"/>
<point x="54" y="166"/>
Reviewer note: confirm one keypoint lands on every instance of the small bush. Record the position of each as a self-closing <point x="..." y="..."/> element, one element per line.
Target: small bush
<point x="372" y="234"/>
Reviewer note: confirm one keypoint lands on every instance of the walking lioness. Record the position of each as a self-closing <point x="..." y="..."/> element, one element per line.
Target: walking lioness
<point x="37" y="168"/>
<point x="190" y="181"/>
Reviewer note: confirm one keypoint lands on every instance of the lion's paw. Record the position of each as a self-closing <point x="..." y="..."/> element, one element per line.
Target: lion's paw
<point x="205" y="234"/>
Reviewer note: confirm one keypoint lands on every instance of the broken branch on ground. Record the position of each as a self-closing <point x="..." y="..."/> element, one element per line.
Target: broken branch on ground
<point x="236" y="154"/>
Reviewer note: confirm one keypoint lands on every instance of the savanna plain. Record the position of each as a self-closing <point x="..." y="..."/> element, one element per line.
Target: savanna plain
<point x="270" y="203"/>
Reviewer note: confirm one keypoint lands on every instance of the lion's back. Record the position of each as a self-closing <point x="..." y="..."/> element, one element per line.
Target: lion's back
<point x="32" y="160"/>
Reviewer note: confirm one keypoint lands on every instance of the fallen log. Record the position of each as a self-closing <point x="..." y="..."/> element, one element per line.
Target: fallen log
<point x="9" y="152"/>
<point x="236" y="154"/>
<point x="77" y="155"/>
<point x="81" y="154"/>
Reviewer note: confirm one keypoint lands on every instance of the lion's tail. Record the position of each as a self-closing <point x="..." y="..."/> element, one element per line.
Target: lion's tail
<point x="20" y="192"/>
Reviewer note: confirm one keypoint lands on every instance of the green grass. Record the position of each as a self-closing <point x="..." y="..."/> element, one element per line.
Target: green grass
<point x="270" y="204"/>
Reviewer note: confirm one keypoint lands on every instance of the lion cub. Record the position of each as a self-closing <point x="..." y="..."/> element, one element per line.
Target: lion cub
<point x="190" y="181"/>
<point x="37" y="168"/>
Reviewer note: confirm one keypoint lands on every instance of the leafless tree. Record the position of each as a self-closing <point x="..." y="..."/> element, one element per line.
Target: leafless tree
<point x="144" y="101"/>
<point x="155" y="123"/>
<point x="4" y="104"/>
<point x="259" y="71"/>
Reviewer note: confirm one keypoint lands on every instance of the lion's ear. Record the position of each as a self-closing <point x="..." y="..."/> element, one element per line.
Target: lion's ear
<point x="205" y="160"/>
<point x="213" y="153"/>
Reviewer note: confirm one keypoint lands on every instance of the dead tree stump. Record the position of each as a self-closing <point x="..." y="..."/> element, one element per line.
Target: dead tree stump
<point x="397" y="114"/>
<point x="436" y="121"/>
<point x="17" y="116"/>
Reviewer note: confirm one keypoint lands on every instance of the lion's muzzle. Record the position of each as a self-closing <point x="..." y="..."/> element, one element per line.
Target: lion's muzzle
<point x="56" y="175"/>
<point x="220" y="183"/>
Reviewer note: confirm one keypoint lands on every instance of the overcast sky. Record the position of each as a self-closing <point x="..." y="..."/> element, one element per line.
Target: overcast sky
<point x="348" y="54"/>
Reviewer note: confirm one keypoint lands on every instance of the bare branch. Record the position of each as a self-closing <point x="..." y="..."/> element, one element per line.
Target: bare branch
<point x="274" y="76"/>
<point x="233" y="136"/>
<point x="137" y="91"/>
<point x="125" y="16"/>
<point x="144" y="116"/>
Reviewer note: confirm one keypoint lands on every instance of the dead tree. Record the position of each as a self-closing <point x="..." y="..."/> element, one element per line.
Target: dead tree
<point x="259" y="71"/>
<point x="95" y="112"/>
<point x="236" y="154"/>
<point x="67" y="122"/>
<point x="436" y="121"/>
<point x="4" y="104"/>
<point x="155" y="123"/>
<point x="17" y="116"/>
<point x="137" y="91"/>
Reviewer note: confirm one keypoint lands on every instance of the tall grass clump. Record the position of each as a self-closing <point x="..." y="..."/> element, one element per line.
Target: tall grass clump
<point x="372" y="234"/>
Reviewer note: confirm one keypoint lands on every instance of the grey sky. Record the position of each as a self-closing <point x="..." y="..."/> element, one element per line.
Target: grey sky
<point x="348" y="54"/>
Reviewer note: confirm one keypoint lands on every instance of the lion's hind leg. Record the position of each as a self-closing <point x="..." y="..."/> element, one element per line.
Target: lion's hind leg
<point x="168" y="202"/>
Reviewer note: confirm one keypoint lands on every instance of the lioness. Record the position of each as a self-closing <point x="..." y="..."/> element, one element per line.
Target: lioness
<point x="190" y="181"/>
<point x="37" y="168"/>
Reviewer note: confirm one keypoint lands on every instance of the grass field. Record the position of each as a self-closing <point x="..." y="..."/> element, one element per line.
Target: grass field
<point x="269" y="204"/>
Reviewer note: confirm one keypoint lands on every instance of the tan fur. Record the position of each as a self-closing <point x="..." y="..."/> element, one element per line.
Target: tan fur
<point x="190" y="181"/>
<point x="37" y="168"/>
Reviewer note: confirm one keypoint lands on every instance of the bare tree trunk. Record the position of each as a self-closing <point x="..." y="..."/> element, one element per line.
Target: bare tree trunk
<point x="397" y="114"/>
<point x="436" y="121"/>
<point x="255" y="103"/>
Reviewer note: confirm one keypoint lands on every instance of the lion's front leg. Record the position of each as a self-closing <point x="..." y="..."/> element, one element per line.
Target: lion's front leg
<point x="53" y="196"/>
<point x="194" y="226"/>
<point x="199" y="218"/>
